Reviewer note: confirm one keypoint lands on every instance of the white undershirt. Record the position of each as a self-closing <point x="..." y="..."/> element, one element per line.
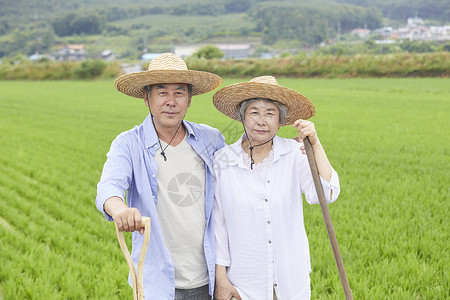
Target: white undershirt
<point x="181" y="212"/>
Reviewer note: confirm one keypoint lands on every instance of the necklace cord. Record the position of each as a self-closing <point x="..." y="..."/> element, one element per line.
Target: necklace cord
<point x="252" y="161"/>
<point x="163" y="150"/>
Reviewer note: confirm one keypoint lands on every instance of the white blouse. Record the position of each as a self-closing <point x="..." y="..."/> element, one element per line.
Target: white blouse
<point x="260" y="235"/>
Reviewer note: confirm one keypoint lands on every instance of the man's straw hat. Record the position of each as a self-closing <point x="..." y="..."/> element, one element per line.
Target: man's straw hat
<point x="227" y="99"/>
<point x="167" y="68"/>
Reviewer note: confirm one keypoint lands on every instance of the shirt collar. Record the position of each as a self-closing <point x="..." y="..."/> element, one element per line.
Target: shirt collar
<point x="280" y="147"/>
<point x="189" y="129"/>
<point x="150" y="136"/>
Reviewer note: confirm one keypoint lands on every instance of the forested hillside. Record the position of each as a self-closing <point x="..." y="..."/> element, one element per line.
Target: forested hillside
<point x="129" y="26"/>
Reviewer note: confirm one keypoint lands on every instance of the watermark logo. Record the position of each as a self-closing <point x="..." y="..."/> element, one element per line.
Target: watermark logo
<point x="185" y="189"/>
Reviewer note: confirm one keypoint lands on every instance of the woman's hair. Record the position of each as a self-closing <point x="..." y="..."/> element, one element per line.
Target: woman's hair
<point x="244" y="104"/>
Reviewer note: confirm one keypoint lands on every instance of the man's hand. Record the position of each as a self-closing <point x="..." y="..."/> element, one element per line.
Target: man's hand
<point x="127" y="219"/>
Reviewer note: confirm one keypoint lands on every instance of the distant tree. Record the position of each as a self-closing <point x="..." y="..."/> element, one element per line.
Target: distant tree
<point x="74" y="23"/>
<point x="20" y="38"/>
<point x="445" y="47"/>
<point x="416" y="47"/>
<point x="310" y="23"/>
<point x="114" y="13"/>
<point x="5" y="47"/>
<point x="199" y="8"/>
<point x="4" y="27"/>
<point x="47" y="37"/>
<point x="403" y="9"/>
<point x="208" y="52"/>
<point x="89" y="69"/>
<point x="113" y="30"/>
<point x="236" y="6"/>
<point x="61" y="25"/>
<point x="155" y="10"/>
<point x="373" y="18"/>
<point x="89" y="24"/>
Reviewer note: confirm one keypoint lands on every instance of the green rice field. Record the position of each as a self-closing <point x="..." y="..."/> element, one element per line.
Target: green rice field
<point x="387" y="138"/>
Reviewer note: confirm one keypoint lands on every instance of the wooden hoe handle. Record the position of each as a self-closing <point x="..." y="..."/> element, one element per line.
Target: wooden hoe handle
<point x="327" y="219"/>
<point x="137" y="280"/>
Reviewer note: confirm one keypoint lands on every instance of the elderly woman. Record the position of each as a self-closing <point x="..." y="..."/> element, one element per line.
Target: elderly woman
<point x="261" y="245"/>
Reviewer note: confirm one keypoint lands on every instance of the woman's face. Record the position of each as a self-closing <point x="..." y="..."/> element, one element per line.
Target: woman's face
<point x="261" y="121"/>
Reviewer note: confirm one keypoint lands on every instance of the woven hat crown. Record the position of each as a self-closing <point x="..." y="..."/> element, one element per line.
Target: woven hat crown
<point x="265" y="79"/>
<point x="167" y="68"/>
<point x="228" y="99"/>
<point x="167" y="61"/>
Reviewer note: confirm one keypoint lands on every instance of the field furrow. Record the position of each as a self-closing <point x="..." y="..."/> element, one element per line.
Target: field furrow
<point x="387" y="138"/>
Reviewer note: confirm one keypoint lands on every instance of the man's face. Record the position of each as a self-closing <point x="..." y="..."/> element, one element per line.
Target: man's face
<point x="168" y="103"/>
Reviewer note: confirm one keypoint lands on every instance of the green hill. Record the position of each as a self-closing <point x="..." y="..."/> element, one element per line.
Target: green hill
<point x="129" y="26"/>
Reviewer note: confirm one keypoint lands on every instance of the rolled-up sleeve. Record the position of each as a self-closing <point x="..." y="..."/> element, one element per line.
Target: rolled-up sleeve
<point x="116" y="175"/>
<point x="331" y="188"/>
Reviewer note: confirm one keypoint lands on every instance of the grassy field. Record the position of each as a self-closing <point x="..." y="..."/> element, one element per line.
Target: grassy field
<point x="387" y="138"/>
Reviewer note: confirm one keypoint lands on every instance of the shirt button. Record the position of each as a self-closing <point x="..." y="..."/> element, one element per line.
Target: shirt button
<point x="268" y="222"/>
<point x="153" y="175"/>
<point x="275" y="285"/>
<point x="270" y="242"/>
<point x="268" y="181"/>
<point x="267" y="200"/>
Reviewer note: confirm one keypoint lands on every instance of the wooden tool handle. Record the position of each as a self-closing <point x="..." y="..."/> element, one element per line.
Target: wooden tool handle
<point x="136" y="279"/>
<point x="327" y="218"/>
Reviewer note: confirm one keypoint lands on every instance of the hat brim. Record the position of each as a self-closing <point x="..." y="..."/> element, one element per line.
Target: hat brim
<point x="227" y="99"/>
<point x="133" y="84"/>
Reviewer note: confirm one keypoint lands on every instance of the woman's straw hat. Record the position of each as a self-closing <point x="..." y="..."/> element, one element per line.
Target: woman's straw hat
<point x="227" y="99"/>
<point x="167" y="68"/>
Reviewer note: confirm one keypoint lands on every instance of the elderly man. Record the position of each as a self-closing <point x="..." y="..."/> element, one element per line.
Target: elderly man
<point x="164" y="168"/>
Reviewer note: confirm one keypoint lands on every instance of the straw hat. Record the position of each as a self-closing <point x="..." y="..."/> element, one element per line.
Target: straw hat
<point x="167" y="68"/>
<point x="227" y="99"/>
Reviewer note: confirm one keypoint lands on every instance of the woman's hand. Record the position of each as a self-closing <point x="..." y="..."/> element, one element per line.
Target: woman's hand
<point x="306" y="129"/>
<point x="224" y="289"/>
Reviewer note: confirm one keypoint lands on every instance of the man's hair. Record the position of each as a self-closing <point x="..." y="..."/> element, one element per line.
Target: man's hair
<point x="244" y="104"/>
<point x="148" y="88"/>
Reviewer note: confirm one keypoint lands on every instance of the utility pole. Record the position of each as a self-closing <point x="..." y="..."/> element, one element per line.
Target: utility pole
<point x="36" y="49"/>
<point x="339" y="32"/>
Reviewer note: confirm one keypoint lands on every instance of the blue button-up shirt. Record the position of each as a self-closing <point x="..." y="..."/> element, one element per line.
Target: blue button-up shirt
<point x="131" y="169"/>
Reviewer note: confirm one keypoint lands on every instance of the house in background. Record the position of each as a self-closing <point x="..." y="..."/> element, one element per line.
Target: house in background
<point x="361" y="33"/>
<point x="185" y="51"/>
<point x="108" y="55"/>
<point x="231" y="51"/>
<point x="235" y="51"/>
<point x="74" y="52"/>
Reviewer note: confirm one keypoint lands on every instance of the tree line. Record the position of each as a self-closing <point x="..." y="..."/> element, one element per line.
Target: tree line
<point x="300" y="66"/>
<point x="309" y="22"/>
<point x="275" y="21"/>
